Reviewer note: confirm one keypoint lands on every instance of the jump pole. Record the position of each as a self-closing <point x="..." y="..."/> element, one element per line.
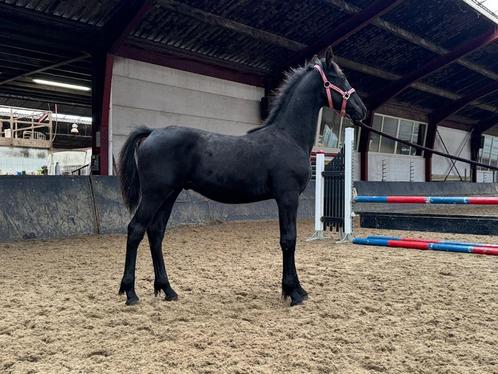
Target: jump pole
<point x="421" y="245"/>
<point x="477" y="200"/>
<point x="432" y="241"/>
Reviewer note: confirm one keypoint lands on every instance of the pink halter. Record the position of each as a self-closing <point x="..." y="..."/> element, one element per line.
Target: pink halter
<point x="329" y="86"/>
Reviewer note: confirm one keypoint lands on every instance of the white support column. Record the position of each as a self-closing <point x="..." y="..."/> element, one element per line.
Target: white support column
<point x="319" y="168"/>
<point x="348" y="183"/>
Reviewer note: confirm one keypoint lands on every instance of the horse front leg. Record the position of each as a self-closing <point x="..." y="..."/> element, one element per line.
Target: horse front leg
<point x="287" y="210"/>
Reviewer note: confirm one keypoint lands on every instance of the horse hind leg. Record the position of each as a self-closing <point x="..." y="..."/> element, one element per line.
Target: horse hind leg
<point x="155" y="233"/>
<point x="142" y="218"/>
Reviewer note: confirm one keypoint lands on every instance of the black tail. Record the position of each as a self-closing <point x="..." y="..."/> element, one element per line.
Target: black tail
<point x="128" y="173"/>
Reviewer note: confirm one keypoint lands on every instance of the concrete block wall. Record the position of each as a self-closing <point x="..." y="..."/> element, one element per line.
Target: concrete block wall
<point x="157" y="96"/>
<point x="36" y="207"/>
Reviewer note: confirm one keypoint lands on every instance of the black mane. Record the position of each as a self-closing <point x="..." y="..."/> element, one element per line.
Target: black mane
<point x="282" y="93"/>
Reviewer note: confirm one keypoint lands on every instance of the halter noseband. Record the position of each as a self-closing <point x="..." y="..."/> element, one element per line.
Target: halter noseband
<point x="329" y="86"/>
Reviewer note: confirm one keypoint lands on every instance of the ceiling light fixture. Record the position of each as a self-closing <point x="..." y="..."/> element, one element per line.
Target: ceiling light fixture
<point x="60" y="84"/>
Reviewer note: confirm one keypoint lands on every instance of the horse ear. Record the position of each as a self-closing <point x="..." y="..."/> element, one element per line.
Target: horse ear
<point x="315" y="59"/>
<point x="329" y="56"/>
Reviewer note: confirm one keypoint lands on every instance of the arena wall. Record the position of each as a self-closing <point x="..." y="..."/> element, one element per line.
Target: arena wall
<point x="45" y="207"/>
<point x="157" y="96"/>
<point x="34" y="207"/>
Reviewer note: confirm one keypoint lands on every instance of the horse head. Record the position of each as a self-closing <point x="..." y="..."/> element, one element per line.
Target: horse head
<point x="338" y="93"/>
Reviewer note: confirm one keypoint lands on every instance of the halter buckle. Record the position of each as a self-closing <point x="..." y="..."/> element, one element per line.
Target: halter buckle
<point x="326" y="84"/>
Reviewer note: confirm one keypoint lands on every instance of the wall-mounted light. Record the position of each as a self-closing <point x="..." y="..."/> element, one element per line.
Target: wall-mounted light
<point x="74" y="129"/>
<point x="60" y="84"/>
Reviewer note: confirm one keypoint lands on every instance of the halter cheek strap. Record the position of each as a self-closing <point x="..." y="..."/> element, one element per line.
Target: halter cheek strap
<point x="329" y="86"/>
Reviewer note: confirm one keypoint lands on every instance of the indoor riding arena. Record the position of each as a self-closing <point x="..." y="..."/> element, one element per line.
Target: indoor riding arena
<point x="239" y="186"/>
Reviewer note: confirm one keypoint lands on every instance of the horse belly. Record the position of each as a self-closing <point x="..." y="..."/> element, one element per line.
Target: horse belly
<point x="231" y="189"/>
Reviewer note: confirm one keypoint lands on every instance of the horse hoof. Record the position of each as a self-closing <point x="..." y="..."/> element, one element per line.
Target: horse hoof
<point x="297" y="302"/>
<point x="171" y="298"/>
<point x="303" y="293"/>
<point x="132" y="301"/>
<point x="170" y="295"/>
<point x="295" y="296"/>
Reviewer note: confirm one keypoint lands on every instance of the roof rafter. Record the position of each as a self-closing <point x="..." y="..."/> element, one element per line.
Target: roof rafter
<point x="432" y="66"/>
<point x="413" y="38"/>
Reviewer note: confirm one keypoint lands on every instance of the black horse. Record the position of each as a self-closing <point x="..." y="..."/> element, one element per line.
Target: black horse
<point x="270" y="162"/>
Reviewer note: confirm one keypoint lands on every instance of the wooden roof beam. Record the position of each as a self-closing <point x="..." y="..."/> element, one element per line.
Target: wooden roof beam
<point x="435" y="64"/>
<point x="443" y="113"/>
<point x="413" y="38"/>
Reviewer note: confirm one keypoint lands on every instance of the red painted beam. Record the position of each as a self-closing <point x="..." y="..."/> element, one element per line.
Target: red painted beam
<point x="191" y="64"/>
<point x="435" y="64"/>
<point x="439" y="115"/>
<point x="104" y="119"/>
<point x="345" y="29"/>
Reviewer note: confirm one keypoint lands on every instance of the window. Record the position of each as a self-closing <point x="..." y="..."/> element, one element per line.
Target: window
<point x="330" y="132"/>
<point x="404" y="129"/>
<point x="489" y="152"/>
<point x="484" y="153"/>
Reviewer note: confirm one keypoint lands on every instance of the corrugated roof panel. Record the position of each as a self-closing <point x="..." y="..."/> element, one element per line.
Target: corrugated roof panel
<point x="299" y="23"/>
<point x="427" y="18"/>
<point x="456" y="78"/>
<point x="180" y="32"/>
<point x="491" y="99"/>
<point x="486" y="56"/>
<point x="91" y="12"/>
<point x="381" y="49"/>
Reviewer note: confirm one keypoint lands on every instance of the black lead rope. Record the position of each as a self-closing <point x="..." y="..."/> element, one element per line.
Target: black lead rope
<point x="422" y="148"/>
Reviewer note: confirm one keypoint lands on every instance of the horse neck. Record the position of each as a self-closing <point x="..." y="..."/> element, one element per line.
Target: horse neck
<point x="298" y="115"/>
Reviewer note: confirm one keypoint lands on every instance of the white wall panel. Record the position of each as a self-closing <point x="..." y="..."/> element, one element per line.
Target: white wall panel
<point x="396" y="167"/>
<point x="156" y="96"/>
